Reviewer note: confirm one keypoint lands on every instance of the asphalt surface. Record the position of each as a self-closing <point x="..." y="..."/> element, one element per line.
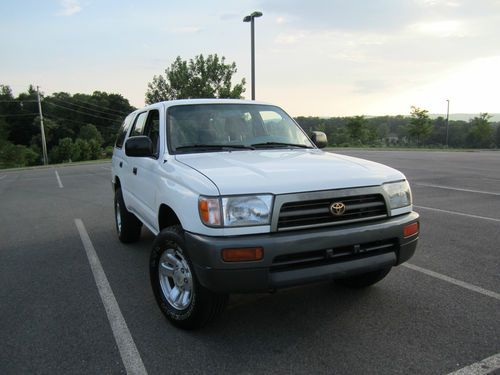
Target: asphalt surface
<point x="52" y="319"/>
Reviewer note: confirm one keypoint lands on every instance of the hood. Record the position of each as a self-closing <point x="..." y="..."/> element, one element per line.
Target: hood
<point x="286" y="171"/>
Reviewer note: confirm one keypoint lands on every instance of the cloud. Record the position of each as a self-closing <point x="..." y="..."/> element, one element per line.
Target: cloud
<point x="69" y="7"/>
<point x="291" y="38"/>
<point x="230" y="16"/>
<point x="443" y="29"/>
<point x="187" y="30"/>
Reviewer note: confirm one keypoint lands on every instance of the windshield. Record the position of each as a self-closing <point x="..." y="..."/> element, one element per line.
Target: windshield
<point x="231" y="127"/>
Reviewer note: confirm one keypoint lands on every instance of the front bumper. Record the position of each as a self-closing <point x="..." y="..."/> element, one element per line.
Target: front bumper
<point x="300" y="257"/>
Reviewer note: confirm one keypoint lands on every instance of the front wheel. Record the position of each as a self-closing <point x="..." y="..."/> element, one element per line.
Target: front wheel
<point x="181" y="298"/>
<point x="365" y="279"/>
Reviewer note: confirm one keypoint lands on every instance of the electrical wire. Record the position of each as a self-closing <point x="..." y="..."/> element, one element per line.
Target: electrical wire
<point x="80" y="106"/>
<point x="57" y="118"/>
<point x="18" y="101"/>
<point x="84" y="113"/>
<point x="21" y="114"/>
<point x="97" y="106"/>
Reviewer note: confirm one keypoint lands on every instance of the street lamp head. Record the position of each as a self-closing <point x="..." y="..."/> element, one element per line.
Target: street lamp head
<point x="252" y="16"/>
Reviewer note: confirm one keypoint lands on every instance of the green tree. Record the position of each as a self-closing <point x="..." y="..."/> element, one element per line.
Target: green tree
<point x="420" y="125"/>
<point x="356" y="126"/>
<point x="88" y="132"/>
<point x="497" y="136"/>
<point x="197" y="78"/>
<point x="16" y="155"/>
<point x="95" y="149"/>
<point x="65" y="149"/>
<point x="4" y="131"/>
<point x="481" y="131"/>
<point x="81" y="150"/>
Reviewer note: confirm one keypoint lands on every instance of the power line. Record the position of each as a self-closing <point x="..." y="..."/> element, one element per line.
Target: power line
<point x="20" y="114"/>
<point x="84" y="113"/>
<point x="57" y="118"/>
<point x="98" y="106"/>
<point x="80" y="106"/>
<point x="18" y="101"/>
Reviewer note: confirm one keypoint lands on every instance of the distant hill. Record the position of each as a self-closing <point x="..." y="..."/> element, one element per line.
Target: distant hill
<point x="465" y="116"/>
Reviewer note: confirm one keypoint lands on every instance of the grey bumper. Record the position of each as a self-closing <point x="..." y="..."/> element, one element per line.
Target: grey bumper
<point x="299" y="257"/>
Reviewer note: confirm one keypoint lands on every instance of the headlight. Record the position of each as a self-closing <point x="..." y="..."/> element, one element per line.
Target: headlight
<point x="399" y="194"/>
<point x="247" y="210"/>
<point x="236" y="211"/>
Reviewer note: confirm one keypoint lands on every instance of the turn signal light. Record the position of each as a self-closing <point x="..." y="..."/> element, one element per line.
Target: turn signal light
<point x="410" y="230"/>
<point x="209" y="211"/>
<point x="242" y="254"/>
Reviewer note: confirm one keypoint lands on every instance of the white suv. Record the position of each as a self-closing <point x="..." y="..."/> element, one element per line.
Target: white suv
<point x="242" y="200"/>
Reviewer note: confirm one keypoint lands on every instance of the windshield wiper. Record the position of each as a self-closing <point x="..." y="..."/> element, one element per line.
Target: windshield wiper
<point x="280" y="144"/>
<point x="214" y="147"/>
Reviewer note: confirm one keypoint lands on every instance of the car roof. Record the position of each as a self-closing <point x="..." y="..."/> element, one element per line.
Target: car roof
<point x="171" y="103"/>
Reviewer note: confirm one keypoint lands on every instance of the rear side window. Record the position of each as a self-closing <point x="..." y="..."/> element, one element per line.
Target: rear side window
<point x="122" y="132"/>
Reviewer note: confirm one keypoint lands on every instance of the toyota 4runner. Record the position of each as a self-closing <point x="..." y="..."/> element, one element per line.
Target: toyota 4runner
<point x="242" y="200"/>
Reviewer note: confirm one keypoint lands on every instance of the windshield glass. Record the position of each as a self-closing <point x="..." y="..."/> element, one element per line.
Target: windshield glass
<point x="231" y="127"/>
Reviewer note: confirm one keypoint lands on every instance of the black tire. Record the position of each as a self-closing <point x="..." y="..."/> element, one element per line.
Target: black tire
<point x="203" y="305"/>
<point x="364" y="280"/>
<point x="129" y="226"/>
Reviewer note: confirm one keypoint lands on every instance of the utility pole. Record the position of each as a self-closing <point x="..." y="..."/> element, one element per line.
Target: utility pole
<point x="447" y="120"/>
<point x="44" y="144"/>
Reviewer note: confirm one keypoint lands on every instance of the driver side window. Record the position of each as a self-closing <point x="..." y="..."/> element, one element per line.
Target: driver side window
<point x="152" y="130"/>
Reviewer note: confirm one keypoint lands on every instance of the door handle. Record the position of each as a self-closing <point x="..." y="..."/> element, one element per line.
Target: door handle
<point x="134" y="170"/>
<point x="121" y="164"/>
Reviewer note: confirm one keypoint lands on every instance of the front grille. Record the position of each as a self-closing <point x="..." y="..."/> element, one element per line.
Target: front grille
<point x="305" y="214"/>
<point x="316" y="258"/>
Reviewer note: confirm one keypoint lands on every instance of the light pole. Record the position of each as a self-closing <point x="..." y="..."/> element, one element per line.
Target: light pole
<point x="447" y="119"/>
<point x="251" y="19"/>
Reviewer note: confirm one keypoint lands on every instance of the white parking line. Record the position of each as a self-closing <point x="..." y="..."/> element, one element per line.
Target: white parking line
<point x="451" y="280"/>
<point x="128" y="351"/>
<point x="486" y="366"/>
<point x="457" y="189"/>
<point x="59" y="180"/>
<point x="457" y="213"/>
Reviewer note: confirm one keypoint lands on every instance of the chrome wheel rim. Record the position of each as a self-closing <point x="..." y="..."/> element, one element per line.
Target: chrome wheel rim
<point x="176" y="279"/>
<point x="118" y="217"/>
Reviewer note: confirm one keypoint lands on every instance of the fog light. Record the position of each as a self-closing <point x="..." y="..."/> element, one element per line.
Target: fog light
<point x="246" y="254"/>
<point x="410" y="230"/>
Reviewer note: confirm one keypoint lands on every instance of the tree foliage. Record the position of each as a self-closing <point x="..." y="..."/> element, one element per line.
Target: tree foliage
<point x="93" y="119"/>
<point x="420" y="124"/>
<point x="84" y="126"/>
<point x="197" y="78"/>
<point x="356" y="126"/>
<point x="481" y="131"/>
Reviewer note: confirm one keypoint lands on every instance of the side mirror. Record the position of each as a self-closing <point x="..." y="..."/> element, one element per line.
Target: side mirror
<point x="139" y="146"/>
<point x="319" y="139"/>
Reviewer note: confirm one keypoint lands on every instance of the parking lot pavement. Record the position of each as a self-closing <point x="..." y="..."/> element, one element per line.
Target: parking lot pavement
<point x="431" y="318"/>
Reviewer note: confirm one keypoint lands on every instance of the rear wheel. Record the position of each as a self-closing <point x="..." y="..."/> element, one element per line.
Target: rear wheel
<point x="364" y="280"/>
<point x="181" y="298"/>
<point x="128" y="226"/>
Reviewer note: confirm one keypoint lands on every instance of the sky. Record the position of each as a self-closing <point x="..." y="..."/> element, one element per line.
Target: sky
<point x="313" y="58"/>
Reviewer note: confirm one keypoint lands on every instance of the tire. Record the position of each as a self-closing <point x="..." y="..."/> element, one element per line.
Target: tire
<point x="364" y="280"/>
<point x="127" y="224"/>
<point x="181" y="298"/>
